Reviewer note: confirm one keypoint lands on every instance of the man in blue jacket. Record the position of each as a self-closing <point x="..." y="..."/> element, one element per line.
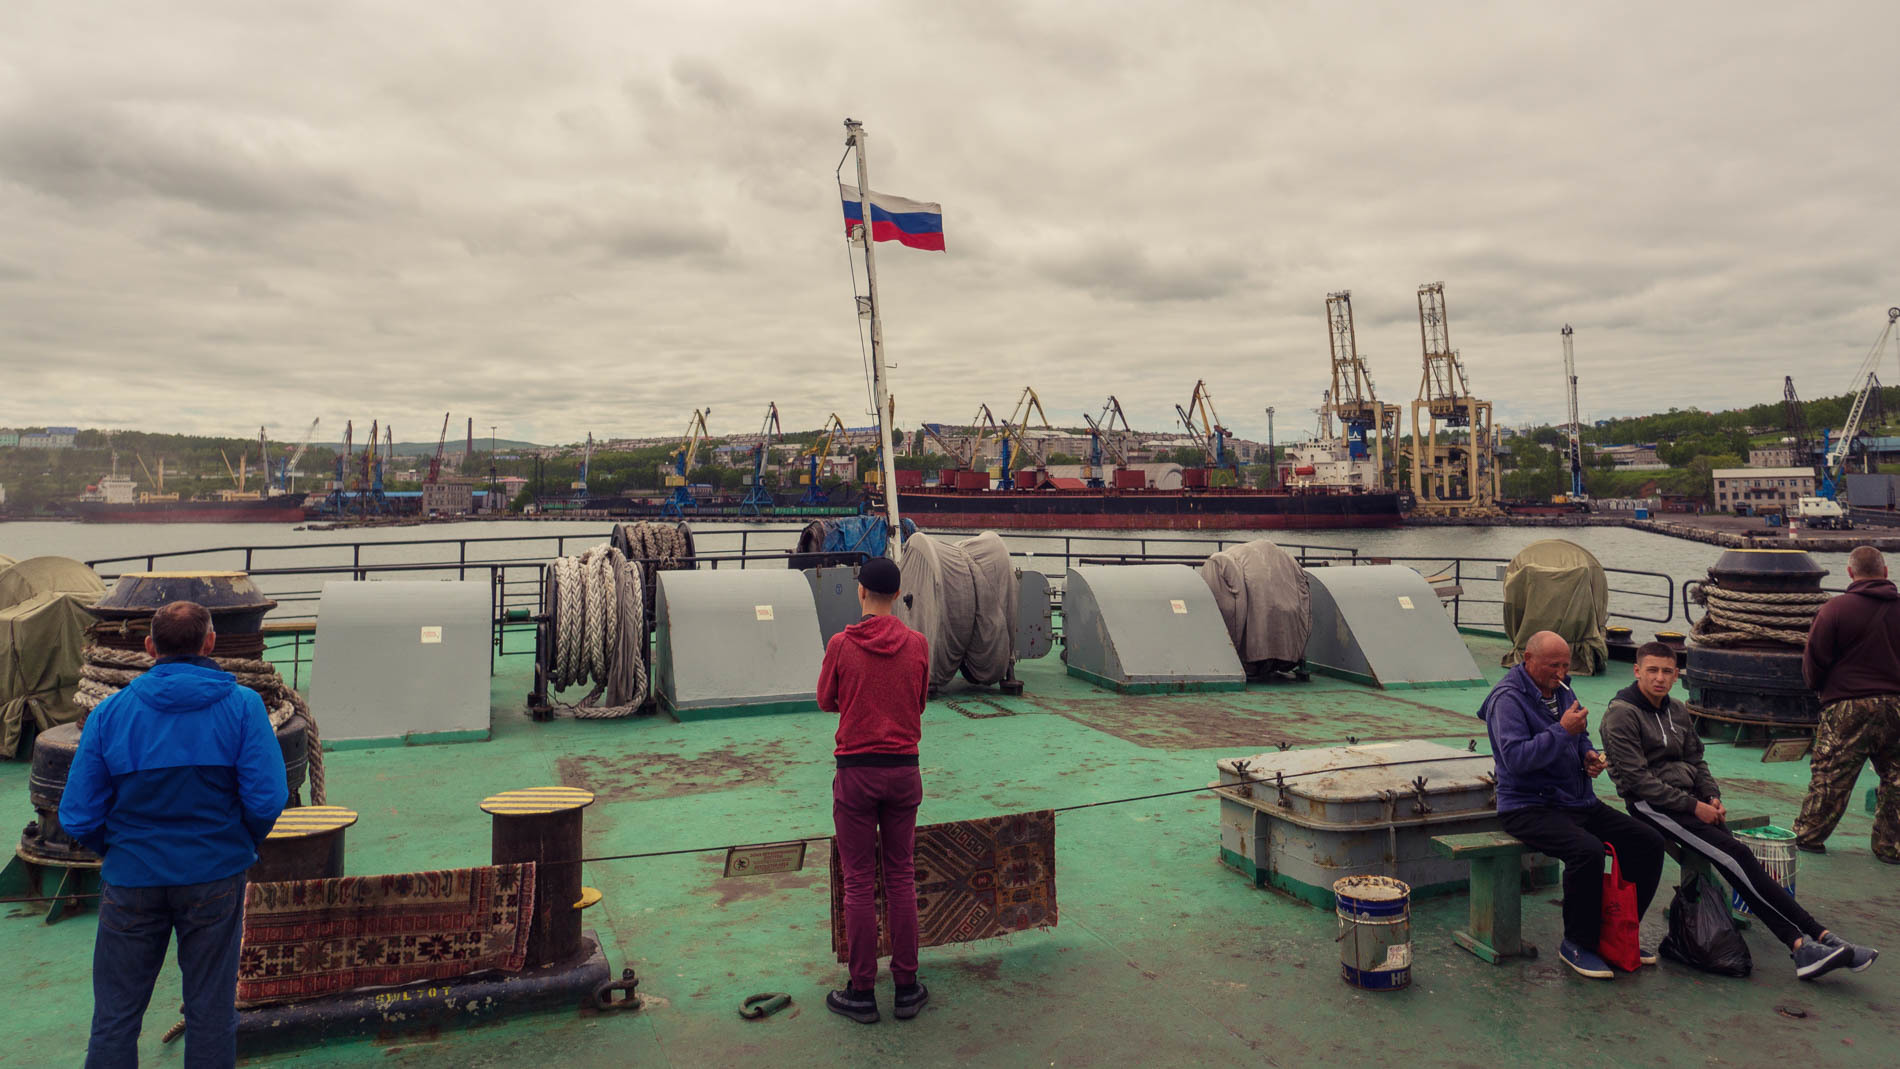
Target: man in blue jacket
<point x="1545" y="761"/>
<point x="177" y="778"/>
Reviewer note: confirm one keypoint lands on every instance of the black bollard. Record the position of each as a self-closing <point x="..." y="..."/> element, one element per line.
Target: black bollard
<point x="306" y="843"/>
<point x="543" y="825"/>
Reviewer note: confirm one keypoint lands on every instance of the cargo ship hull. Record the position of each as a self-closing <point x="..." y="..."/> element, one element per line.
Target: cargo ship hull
<point x="1148" y="510"/>
<point x="284" y="508"/>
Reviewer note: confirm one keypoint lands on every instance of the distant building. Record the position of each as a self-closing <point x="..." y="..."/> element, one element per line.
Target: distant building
<point x="1757" y="489"/>
<point x="52" y="438"/>
<point x="1779" y="456"/>
<point x="1633" y="457"/>
<point x="9" y="439"/>
<point x="450" y="497"/>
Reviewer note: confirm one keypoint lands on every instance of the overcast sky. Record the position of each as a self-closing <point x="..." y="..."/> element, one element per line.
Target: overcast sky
<point x="577" y="216"/>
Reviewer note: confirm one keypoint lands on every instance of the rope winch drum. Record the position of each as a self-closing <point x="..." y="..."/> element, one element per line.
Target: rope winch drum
<point x="1745" y="652"/>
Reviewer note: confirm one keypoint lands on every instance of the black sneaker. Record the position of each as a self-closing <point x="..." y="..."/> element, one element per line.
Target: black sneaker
<point x="1862" y="956"/>
<point x="1815" y="958"/>
<point x="860" y="1006"/>
<point x="1812" y="848"/>
<point x="910" y="999"/>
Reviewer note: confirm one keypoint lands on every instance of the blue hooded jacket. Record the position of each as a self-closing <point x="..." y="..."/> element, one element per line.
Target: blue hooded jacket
<point x="1538" y="762"/>
<point x="177" y="778"/>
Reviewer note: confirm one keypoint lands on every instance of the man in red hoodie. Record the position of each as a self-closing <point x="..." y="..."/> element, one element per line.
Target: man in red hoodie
<point x="876" y="675"/>
<point x="1853" y="662"/>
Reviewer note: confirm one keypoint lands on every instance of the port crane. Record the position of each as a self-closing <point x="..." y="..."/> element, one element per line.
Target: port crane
<point x="1867" y="382"/>
<point x="579" y="486"/>
<point x="965" y="449"/>
<point x="1106" y="446"/>
<point x="757" y="498"/>
<point x="682" y="462"/>
<point x="1210" y="435"/>
<point x="813" y="457"/>
<point x="1369" y="426"/>
<point x="435" y="462"/>
<point x="1449" y="477"/>
<point x="1573" y="429"/>
<point x="1016" y="433"/>
<point x="240" y="474"/>
<point x="295" y="455"/>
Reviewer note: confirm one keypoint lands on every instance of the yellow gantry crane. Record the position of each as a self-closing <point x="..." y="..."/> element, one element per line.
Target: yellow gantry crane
<point x="682" y="461"/>
<point x="1016" y="431"/>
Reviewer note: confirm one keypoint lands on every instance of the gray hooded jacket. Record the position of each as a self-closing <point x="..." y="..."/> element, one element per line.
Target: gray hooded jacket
<point x="1655" y="755"/>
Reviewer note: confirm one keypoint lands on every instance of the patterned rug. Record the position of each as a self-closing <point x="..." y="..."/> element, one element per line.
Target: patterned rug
<point x="307" y="938"/>
<point x="975" y="879"/>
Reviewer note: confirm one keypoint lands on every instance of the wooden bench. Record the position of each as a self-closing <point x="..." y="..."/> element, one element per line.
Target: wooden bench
<point x="1496" y="926"/>
<point x="1495" y="931"/>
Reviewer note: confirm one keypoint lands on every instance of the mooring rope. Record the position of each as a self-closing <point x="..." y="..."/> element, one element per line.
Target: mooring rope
<point x="598" y="628"/>
<point x="107" y="671"/>
<point x="1738" y="616"/>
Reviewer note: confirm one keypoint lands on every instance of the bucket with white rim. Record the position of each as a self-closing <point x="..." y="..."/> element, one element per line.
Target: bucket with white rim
<point x="1375" y="932"/>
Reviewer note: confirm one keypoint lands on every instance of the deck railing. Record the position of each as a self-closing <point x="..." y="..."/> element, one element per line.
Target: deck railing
<point x="515" y="567"/>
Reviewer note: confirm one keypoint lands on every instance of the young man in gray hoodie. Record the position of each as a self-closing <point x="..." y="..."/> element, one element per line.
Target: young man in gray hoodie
<point x="1657" y="765"/>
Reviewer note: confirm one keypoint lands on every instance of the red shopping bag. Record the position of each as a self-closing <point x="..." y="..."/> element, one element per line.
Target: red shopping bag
<point x="1617" y="943"/>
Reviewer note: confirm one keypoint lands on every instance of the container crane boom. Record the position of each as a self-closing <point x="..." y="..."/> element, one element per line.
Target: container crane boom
<point x="820" y="448"/>
<point x="1105" y="447"/>
<point x="682" y="459"/>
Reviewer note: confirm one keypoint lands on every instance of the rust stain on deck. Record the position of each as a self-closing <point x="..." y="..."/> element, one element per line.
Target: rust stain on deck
<point x="662" y="774"/>
<point x="1215" y="721"/>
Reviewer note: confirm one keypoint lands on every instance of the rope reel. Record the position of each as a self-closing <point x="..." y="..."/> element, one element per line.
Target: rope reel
<point x="596" y="632"/>
<point x="108" y="668"/>
<point x="1735" y="617"/>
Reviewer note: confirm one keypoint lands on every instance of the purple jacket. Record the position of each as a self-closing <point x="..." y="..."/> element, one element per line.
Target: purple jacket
<point x="1538" y="762"/>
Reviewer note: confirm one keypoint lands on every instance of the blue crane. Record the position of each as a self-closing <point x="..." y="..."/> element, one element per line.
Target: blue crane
<point x="681" y="461"/>
<point x="757" y="498"/>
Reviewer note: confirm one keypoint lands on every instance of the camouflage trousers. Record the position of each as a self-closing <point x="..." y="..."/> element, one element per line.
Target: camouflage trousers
<point x="1853" y="732"/>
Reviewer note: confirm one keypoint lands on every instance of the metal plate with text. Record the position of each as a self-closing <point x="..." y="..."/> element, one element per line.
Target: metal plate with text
<point x="764" y="858"/>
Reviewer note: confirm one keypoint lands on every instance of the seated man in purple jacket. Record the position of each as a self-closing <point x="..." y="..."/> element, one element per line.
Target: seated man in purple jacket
<point x="1545" y="761"/>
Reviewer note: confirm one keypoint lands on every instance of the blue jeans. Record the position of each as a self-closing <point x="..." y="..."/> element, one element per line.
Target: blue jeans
<point x="135" y="927"/>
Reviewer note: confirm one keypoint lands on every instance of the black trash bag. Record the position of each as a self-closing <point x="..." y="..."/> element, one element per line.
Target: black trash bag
<point x="1702" y="934"/>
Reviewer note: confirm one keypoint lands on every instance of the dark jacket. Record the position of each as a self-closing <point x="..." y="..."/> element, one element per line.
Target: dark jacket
<point x="1854" y="643"/>
<point x="1538" y="762"/>
<point x="876" y="674"/>
<point x="177" y="778"/>
<point x="1655" y="754"/>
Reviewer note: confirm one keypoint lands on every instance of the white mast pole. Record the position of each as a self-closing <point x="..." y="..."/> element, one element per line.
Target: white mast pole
<point x="880" y="386"/>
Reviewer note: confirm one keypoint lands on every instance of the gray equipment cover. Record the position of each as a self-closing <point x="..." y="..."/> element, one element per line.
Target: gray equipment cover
<point x="1261" y="591"/>
<point x="1555" y="585"/>
<point x="962" y="596"/>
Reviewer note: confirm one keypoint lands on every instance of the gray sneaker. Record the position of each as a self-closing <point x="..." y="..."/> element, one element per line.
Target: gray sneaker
<point x="1815" y="958"/>
<point x="1862" y="956"/>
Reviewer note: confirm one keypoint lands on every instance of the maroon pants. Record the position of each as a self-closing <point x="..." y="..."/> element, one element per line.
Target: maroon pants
<point x="875" y="809"/>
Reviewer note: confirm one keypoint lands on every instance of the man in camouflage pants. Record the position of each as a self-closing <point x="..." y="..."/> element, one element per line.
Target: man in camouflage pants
<point x="1853" y="662"/>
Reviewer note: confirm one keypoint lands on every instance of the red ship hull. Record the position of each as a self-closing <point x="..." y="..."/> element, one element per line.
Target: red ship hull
<point x="1148" y="510"/>
<point x="284" y="508"/>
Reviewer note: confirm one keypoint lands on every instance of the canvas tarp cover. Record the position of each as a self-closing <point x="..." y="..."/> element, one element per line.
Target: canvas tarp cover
<point x="962" y="596"/>
<point x="40" y="643"/>
<point x="47" y="575"/>
<point x="1554" y="585"/>
<point x="1262" y="594"/>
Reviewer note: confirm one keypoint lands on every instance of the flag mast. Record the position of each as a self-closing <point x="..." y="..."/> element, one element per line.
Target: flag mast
<point x="880" y="385"/>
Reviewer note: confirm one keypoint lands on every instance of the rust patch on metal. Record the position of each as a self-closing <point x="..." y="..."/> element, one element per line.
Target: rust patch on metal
<point x="655" y="774"/>
<point x="1218" y="721"/>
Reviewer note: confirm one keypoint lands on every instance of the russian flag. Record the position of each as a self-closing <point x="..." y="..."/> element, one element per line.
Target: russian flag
<point x="915" y="223"/>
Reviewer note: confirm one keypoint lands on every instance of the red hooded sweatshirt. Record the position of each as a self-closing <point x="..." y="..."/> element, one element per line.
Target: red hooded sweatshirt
<point x="877" y="675"/>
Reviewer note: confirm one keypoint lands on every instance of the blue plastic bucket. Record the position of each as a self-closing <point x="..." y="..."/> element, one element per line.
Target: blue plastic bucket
<point x="1375" y="932"/>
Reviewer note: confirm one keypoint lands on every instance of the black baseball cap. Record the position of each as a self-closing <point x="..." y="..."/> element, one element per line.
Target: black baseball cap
<point x="878" y="575"/>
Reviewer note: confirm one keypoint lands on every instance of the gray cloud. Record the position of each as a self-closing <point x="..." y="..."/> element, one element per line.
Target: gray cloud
<point x="599" y="216"/>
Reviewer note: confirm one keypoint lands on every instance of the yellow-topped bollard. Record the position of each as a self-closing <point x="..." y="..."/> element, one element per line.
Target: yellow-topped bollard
<point x="543" y="825"/>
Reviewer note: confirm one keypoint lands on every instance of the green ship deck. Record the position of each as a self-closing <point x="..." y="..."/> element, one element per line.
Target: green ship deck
<point x="1163" y="956"/>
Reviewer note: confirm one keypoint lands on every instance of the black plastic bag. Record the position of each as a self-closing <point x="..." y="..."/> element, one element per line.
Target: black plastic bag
<point x="1702" y="935"/>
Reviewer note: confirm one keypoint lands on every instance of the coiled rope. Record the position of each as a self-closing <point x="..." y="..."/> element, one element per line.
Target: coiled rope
<point x="598" y="632"/>
<point x="1738" y="616"/>
<point x="107" y="671"/>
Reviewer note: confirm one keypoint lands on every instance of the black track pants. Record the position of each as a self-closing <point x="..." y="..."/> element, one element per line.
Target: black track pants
<point x="1770" y="901"/>
<point x="1575" y="836"/>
